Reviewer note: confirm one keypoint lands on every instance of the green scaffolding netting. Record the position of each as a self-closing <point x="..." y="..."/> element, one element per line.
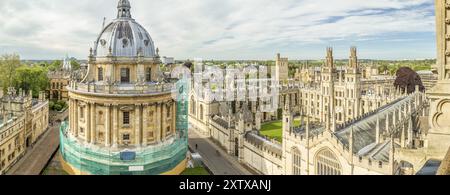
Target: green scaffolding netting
<point x="150" y="160"/>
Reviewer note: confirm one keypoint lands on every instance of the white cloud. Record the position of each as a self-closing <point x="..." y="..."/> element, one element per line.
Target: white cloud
<point x="235" y="29"/>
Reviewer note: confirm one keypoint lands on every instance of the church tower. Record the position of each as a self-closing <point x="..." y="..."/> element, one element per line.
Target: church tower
<point x="353" y="87"/>
<point x="281" y="68"/>
<point x="328" y="97"/>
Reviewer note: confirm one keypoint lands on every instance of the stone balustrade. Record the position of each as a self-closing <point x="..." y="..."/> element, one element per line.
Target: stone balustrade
<point x="121" y="89"/>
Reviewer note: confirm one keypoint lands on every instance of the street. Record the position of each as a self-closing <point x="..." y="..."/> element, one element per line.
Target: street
<point x="219" y="164"/>
<point x="37" y="157"/>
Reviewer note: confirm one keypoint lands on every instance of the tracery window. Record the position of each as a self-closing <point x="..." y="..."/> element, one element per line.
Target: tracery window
<point x="296" y="162"/>
<point x="326" y="163"/>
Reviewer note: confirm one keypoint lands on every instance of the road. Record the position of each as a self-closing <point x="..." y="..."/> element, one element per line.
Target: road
<point x="222" y="164"/>
<point x="37" y="157"/>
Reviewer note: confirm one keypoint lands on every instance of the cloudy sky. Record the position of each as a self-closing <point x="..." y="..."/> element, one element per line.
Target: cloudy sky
<point x="227" y="29"/>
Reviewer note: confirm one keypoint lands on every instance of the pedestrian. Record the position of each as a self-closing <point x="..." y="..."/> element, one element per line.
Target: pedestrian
<point x="196" y="146"/>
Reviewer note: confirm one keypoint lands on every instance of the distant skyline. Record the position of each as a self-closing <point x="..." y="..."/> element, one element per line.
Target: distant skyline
<point x="229" y="29"/>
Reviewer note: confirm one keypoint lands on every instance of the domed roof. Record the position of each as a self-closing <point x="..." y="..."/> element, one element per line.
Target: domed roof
<point x="124" y="37"/>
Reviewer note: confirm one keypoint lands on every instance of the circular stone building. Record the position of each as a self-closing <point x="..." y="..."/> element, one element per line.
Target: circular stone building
<point x="122" y="117"/>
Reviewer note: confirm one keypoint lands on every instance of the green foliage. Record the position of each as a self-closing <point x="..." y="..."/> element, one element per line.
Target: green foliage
<point x="57" y="105"/>
<point x="31" y="78"/>
<point x="75" y="65"/>
<point x="392" y="66"/>
<point x="195" y="171"/>
<point x="51" y="104"/>
<point x="383" y="68"/>
<point x="55" y="65"/>
<point x="8" y="65"/>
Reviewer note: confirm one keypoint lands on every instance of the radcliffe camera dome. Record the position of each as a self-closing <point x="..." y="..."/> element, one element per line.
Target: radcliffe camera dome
<point x="124" y="37"/>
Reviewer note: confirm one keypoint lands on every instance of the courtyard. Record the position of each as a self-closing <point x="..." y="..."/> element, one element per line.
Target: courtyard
<point x="274" y="129"/>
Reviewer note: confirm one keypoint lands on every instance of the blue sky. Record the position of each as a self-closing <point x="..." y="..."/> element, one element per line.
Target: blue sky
<point x="228" y="29"/>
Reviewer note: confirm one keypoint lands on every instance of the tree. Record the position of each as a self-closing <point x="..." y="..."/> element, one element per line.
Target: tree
<point x="75" y="65"/>
<point x="8" y="65"/>
<point x="55" y="65"/>
<point x="31" y="78"/>
<point x="383" y="68"/>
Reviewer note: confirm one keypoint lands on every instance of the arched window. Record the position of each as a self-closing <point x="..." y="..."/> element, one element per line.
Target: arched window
<point x="193" y="106"/>
<point x="296" y="162"/>
<point x="201" y="112"/>
<point x="326" y="163"/>
<point x="100" y="74"/>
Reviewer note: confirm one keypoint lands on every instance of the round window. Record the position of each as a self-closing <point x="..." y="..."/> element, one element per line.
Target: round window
<point x="103" y="42"/>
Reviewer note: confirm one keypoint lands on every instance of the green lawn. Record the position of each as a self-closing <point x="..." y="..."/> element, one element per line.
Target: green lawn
<point x="195" y="171"/>
<point x="274" y="130"/>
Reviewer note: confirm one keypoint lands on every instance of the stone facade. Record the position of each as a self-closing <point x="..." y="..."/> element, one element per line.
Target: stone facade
<point x="22" y="121"/>
<point x="59" y="80"/>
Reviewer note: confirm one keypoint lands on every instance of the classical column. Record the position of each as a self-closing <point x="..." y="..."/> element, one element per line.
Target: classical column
<point x="75" y="117"/>
<point x="93" y="124"/>
<point x="87" y="134"/>
<point x="115" y="119"/>
<point x="108" y="125"/>
<point x="137" y="126"/>
<point x="157" y="119"/>
<point x="164" y="120"/>
<point x="145" y="128"/>
<point x="174" y="117"/>
<point x="71" y="117"/>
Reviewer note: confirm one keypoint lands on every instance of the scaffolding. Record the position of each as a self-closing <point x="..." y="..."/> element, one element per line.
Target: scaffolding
<point x="151" y="160"/>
